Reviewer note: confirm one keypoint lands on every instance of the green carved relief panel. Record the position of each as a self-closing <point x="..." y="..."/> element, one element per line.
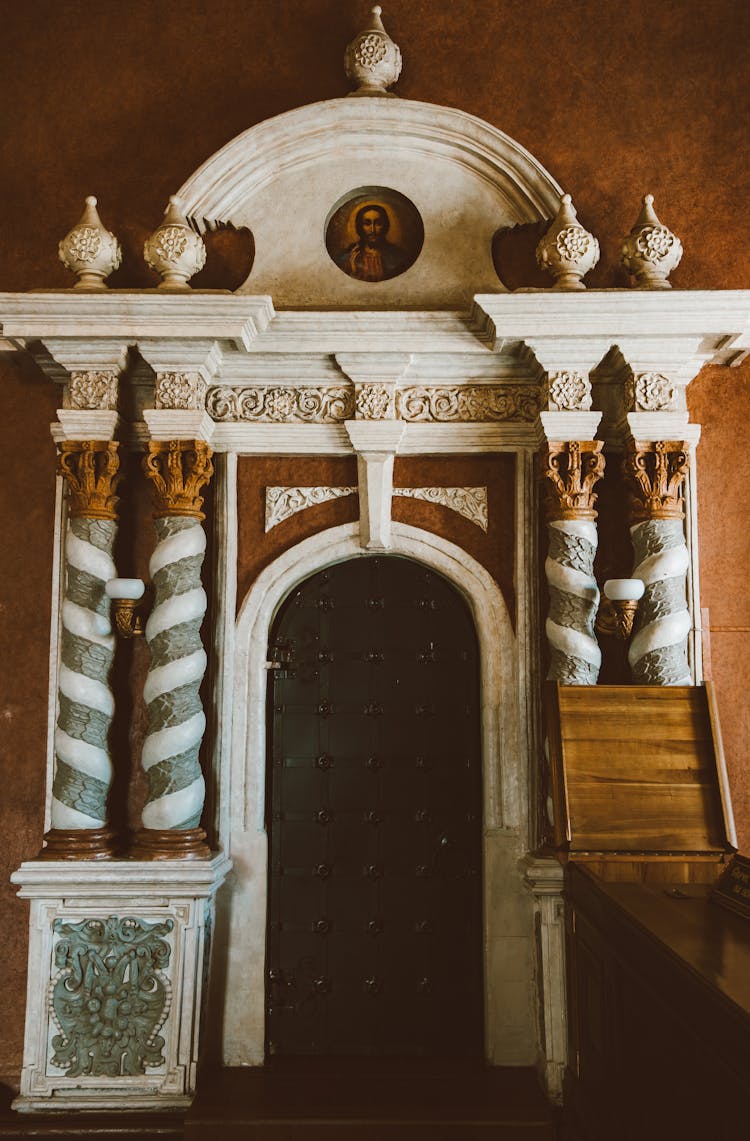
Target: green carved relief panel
<point x="109" y="996"/>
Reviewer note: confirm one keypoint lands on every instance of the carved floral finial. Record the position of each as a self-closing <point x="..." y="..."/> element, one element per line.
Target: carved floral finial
<point x="567" y="250"/>
<point x="651" y="251"/>
<point x="175" y="251"/>
<point x="89" y="250"/>
<point x="372" y="60"/>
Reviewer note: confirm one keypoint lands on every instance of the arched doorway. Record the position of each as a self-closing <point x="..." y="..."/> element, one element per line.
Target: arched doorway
<point x="374" y="816"/>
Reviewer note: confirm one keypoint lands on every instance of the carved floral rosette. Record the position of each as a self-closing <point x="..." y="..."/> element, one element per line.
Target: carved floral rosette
<point x="180" y="390"/>
<point x="651" y="251"/>
<point x="372" y="60"/>
<point x="567" y="392"/>
<point x="374" y="401"/>
<point x="650" y="392"/>
<point x="89" y="250"/>
<point x="110" y="996"/>
<point x="93" y="390"/>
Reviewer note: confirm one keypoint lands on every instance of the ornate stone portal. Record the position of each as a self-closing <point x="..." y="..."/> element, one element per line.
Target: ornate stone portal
<point x="305" y="360"/>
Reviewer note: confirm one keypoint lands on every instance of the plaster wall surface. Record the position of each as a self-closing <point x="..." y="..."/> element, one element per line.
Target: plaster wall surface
<point x="614" y="100"/>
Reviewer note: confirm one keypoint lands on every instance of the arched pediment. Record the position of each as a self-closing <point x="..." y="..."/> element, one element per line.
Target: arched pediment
<point x="283" y="178"/>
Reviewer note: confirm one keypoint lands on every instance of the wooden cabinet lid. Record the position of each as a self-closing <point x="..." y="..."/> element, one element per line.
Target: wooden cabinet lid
<point x="637" y="769"/>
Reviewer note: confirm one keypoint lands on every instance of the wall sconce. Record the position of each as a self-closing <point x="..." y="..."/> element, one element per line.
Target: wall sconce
<point x="125" y="594"/>
<point x="618" y="607"/>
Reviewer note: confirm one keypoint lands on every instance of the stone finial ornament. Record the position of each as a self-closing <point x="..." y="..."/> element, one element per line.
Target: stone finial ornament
<point x="90" y="251"/>
<point x="372" y="60"/>
<point x="651" y="251"/>
<point x="175" y="251"/>
<point x="567" y="250"/>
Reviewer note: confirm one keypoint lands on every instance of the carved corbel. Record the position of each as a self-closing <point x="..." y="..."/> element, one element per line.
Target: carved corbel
<point x="375" y="377"/>
<point x="376" y="444"/>
<point x="182" y="373"/>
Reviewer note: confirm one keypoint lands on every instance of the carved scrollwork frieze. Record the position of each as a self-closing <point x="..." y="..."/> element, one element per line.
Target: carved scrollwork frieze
<point x="470" y="403"/>
<point x="257" y="404"/>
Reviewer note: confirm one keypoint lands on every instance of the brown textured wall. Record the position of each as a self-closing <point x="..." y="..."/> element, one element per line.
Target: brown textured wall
<point x="126" y="100"/>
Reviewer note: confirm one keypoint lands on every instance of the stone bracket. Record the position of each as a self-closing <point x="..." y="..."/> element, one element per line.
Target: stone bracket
<point x="376" y="444"/>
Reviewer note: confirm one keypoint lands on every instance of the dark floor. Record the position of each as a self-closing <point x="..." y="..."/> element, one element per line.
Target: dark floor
<point x="331" y="1100"/>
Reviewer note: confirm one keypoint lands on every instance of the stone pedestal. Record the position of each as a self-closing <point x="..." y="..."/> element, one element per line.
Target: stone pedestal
<point x="118" y="960"/>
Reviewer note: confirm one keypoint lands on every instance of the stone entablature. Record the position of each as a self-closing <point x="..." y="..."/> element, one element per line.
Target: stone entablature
<point x="255" y="370"/>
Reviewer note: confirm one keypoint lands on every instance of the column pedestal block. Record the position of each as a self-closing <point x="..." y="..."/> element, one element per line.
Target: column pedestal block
<point x="118" y="964"/>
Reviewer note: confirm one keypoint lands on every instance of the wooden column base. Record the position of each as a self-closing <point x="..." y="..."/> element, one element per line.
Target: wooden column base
<point x="170" y="844"/>
<point x="78" y="844"/>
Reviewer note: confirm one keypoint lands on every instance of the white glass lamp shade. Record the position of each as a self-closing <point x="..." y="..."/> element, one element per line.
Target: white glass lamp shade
<point x="125" y="588"/>
<point x="624" y="589"/>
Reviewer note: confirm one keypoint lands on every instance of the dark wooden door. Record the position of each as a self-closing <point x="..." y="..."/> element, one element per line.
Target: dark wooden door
<point x="374" y="816"/>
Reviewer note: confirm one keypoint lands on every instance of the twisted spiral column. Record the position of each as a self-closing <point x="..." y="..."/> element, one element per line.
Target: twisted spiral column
<point x="571" y="468"/>
<point x="658" y="650"/>
<point x="176" y="721"/>
<point x="83" y="766"/>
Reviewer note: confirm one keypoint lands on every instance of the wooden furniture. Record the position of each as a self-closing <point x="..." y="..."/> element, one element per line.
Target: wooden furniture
<point x="639" y="781"/>
<point x="658" y="976"/>
<point x="659" y="1013"/>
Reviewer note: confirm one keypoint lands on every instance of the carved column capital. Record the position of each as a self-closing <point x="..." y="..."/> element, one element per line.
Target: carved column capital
<point x="656" y="471"/>
<point x="178" y="470"/>
<point x="570" y="469"/>
<point x="91" y="471"/>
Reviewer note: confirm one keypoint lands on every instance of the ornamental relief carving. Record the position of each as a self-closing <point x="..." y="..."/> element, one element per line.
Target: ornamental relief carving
<point x="178" y="471"/>
<point x="567" y="392"/>
<point x="651" y="392"/>
<point x="110" y="996"/>
<point x="283" y="502"/>
<point x="471" y="403"/>
<point x="656" y="472"/>
<point x="180" y="390"/>
<point x="91" y="469"/>
<point x="570" y="469"/>
<point x="320" y="405"/>
<point x="333" y="404"/>
<point x="93" y="390"/>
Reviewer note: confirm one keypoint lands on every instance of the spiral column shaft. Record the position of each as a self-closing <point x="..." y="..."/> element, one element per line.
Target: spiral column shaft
<point x="83" y="766"/>
<point x="658" y="650"/>
<point x="176" y="722"/>
<point x="571" y="469"/>
<point x="178" y="469"/>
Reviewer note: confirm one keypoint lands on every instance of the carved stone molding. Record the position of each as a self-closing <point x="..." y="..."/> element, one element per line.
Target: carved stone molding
<point x="570" y="469"/>
<point x="568" y="391"/>
<point x="375" y="402"/>
<point x="93" y="390"/>
<point x="180" y="390"/>
<point x="107" y="1013"/>
<point x="650" y="392"/>
<point x="319" y="405"/>
<point x="475" y="403"/>
<point x="656" y="473"/>
<point x="471" y="502"/>
<point x="283" y="502"/>
<point x="91" y="471"/>
<point x="178" y="470"/>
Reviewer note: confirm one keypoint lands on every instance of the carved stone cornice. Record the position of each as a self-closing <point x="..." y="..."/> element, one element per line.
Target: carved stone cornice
<point x="91" y="471"/>
<point x="570" y="469"/>
<point x="178" y="470"/>
<point x="656" y="470"/>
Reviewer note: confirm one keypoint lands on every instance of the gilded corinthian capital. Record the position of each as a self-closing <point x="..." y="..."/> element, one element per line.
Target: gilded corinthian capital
<point x="570" y="469"/>
<point x="656" y="473"/>
<point x="178" y="470"/>
<point x="91" y="471"/>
